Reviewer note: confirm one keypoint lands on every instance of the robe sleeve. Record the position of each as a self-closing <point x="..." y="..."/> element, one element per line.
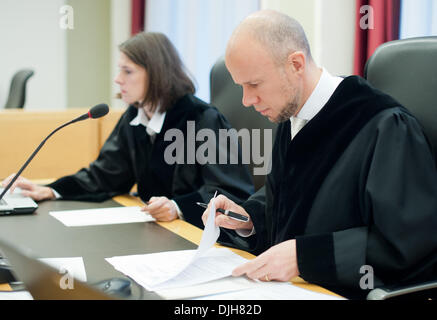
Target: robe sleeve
<point x="255" y="206"/>
<point x="109" y="175"/>
<point x="231" y="180"/>
<point x="259" y="207"/>
<point x="398" y="195"/>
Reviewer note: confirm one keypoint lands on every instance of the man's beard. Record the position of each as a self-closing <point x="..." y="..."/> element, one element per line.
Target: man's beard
<point x="289" y="110"/>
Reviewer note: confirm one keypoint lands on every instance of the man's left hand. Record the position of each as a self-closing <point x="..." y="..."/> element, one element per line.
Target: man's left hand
<point x="277" y="263"/>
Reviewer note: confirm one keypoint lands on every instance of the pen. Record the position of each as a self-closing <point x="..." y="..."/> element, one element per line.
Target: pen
<point x="230" y="214"/>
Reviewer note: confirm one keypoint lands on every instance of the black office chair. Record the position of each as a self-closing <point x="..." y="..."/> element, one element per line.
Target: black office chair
<point x="407" y="70"/>
<point x="227" y="97"/>
<point x="17" y="90"/>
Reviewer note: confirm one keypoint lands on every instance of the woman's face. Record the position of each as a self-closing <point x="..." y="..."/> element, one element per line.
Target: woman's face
<point x="132" y="79"/>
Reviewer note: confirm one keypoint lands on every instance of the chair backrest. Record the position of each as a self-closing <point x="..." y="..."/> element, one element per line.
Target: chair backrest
<point x="17" y="90"/>
<point x="227" y="97"/>
<point x="407" y="70"/>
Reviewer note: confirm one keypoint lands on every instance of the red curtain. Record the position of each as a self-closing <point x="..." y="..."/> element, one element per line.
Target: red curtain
<point x="138" y="16"/>
<point x="386" y="15"/>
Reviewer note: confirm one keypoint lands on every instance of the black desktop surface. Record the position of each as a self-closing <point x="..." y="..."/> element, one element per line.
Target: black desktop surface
<point x="47" y="237"/>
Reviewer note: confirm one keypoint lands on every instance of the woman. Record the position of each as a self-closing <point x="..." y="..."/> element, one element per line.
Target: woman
<point x="153" y="82"/>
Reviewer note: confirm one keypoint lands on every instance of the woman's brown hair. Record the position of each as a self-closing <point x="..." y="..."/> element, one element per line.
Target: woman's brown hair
<point x="168" y="78"/>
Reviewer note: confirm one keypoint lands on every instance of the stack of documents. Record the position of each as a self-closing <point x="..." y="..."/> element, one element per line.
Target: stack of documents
<point x="174" y="269"/>
<point x="204" y="273"/>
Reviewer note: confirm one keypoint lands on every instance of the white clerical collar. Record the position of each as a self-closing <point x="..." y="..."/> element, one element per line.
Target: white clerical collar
<point x="319" y="97"/>
<point x="153" y="126"/>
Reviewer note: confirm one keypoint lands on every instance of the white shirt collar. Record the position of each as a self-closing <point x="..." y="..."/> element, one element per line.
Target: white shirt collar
<point x="153" y="126"/>
<point x="320" y="95"/>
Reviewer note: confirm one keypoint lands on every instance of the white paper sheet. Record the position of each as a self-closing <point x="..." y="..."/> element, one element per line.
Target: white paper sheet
<point x="225" y="285"/>
<point x="210" y="234"/>
<point x="151" y="269"/>
<point x="174" y="269"/>
<point x="16" y="295"/>
<point x="101" y="216"/>
<point x="74" y="266"/>
<point x="163" y="270"/>
<point x="271" y="291"/>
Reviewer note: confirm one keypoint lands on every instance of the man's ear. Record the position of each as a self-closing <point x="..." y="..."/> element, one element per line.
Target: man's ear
<point x="297" y="62"/>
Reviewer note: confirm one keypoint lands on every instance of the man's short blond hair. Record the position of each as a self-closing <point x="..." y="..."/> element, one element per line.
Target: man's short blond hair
<point x="277" y="32"/>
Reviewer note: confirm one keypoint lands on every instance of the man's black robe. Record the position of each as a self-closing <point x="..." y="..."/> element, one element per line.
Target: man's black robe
<point x="128" y="157"/>
<point x="356" y="186"/>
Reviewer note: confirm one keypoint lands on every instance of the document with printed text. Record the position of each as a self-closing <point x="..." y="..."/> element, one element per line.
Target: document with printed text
<point x="175" y="269"/>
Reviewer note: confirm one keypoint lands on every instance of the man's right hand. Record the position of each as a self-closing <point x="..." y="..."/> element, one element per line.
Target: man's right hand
<point x="29" y="189"/>
<point x="224" y="221"/>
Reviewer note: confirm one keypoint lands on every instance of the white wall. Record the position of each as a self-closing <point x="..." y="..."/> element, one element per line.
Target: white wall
<point x="199" y="29"/>
<point x="418" y="18"/>
<point x="337" y="35"/>
<point x="30" y="37"/>
<point x="120" y="32"/>
<point x="329" y="25"/>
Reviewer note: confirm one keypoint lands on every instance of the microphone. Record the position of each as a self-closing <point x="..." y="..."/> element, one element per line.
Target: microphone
<point x="95" y="112"/>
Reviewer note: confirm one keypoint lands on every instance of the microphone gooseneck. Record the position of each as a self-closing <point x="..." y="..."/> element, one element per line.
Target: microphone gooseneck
<point x="95" y="112"/>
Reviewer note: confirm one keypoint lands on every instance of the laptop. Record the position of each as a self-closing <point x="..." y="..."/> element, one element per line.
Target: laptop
<point x="16" y="203"/>
<point x="43" y="281"/>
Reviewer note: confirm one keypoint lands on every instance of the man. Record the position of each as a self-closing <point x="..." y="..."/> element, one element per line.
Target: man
<point x="353" y="181"/>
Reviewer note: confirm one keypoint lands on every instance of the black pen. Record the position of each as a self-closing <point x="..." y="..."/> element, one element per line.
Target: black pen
<point x="230" y="214"/>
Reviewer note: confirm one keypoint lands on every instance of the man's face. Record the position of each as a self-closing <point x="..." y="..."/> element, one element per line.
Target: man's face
<point x="271" y="89"/>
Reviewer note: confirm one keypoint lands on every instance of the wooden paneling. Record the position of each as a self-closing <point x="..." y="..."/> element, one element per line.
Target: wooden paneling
<point x="67" y="151"/>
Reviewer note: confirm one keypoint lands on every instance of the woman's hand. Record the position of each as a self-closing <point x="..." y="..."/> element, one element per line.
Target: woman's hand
<point x="29" y="189"/>
<point x="162" y="209"/>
